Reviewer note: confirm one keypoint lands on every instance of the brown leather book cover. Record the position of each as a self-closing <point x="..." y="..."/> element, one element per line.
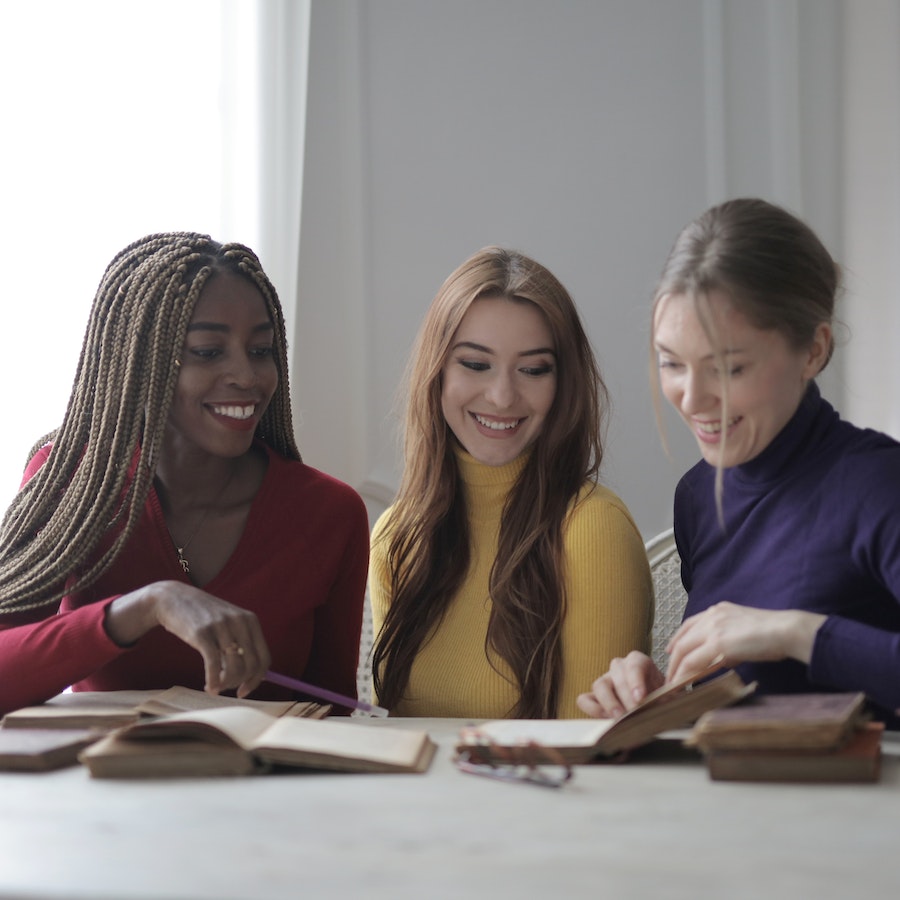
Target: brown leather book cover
<point x="815" y="720"/>
<point x="858" y="759"/>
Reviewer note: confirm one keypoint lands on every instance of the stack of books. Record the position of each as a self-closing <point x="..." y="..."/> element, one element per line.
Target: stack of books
<point x="791" y="737"/>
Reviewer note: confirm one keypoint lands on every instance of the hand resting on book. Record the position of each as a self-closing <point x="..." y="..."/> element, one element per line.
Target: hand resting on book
<point x="623" y="687"/>
<point x="736" y="634"/>
<point x="724" y="634"/>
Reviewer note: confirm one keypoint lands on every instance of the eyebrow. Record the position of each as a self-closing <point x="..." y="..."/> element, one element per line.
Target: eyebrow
<point x="663" y="348"/>
<point x="219" y="326"/>
<point x="471" y="345"/>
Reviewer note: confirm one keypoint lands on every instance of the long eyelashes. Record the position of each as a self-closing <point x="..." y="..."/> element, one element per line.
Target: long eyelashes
<point x="534" y="371"/>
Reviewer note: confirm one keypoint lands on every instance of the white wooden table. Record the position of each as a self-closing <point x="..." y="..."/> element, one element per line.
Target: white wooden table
<point x="646" y="829"/>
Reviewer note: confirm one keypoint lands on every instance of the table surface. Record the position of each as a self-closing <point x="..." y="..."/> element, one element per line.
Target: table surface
<point x="653" y="827"/>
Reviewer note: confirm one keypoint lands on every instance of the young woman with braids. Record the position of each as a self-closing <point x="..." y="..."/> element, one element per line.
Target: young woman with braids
<point x="503" y="573"/>
<point x="167" y="532"/>
<point x="789" y="526"/>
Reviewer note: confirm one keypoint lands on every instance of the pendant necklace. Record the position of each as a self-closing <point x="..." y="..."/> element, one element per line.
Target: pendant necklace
<point x="182" y="559"/>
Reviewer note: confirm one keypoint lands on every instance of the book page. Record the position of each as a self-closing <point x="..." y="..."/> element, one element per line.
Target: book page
<point x="238" y="725"/>
<point x="181" y="699"/>
<point x="549" y="732"/>
<point x="308" y="739"/>
<point x="76" y="700"/>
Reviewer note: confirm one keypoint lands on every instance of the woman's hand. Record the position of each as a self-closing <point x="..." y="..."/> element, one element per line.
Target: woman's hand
<point x="739" y="634"/>
<point x="229" y="639"/>
<point x="626" y="683"/>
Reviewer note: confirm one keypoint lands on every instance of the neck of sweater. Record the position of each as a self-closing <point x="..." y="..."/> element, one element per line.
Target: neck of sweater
<point x="487" y="487"/>
<point x="812" y="415"/>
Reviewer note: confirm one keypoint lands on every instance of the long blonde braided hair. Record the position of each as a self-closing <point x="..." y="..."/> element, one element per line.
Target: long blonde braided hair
<point x="120" y="402"/>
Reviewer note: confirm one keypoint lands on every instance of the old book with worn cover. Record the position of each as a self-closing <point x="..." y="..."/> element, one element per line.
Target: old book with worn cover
<point x="42" y="749"/>
<point x="816" y="721"/>
<point x="856" y="759"/>
<point x="239" y="740"/>
<point x="582" y="740"/>
<point x="114" y="709"/>
<point x="86" y="709"/>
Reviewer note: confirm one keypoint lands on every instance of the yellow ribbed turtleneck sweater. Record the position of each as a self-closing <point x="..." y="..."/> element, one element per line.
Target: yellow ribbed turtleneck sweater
<point x="609" y="602"/>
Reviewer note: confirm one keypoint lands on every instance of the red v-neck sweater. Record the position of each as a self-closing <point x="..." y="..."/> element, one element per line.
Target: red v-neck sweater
<point x="300" y="565"/>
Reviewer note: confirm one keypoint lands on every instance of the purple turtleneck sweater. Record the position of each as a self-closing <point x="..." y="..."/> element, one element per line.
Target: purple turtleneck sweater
<point x="811" y="523"/>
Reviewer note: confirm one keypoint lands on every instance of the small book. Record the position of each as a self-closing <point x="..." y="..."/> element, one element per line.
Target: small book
<point x="857" y="759"/>
<point x="42" y="749"/>
<point x="576" y="741"/>
<point x="239" y="740"/>
<point x="108" y="710"/>
<point x="81" y="709"/>
<point x="793" y="721"/>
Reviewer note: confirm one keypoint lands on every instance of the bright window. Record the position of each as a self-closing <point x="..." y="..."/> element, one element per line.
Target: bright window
<point x="119" y="119"/>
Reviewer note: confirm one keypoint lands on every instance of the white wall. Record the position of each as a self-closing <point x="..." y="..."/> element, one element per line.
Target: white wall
<point x="871" y="197"/>
<point x="583" y="132"/>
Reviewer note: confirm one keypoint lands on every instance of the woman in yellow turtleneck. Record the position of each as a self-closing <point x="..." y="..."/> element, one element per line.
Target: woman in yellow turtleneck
<point x="503" y="577"/>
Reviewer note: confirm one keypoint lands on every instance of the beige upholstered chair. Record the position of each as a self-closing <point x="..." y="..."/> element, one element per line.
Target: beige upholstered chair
<point x="378" y="497"/>
<point x="665" y="566"/>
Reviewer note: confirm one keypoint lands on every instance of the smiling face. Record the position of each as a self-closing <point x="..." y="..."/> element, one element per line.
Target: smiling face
<point x="766" y="377"/>
<point x="228" y="374"/>
<point x="499" y="379"/>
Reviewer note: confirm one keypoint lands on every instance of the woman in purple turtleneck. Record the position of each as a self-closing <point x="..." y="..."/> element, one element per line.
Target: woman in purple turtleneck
<point x="789" y="527"/>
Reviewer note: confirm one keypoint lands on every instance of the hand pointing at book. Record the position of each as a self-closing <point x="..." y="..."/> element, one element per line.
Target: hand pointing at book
<point x="228" y="637"/>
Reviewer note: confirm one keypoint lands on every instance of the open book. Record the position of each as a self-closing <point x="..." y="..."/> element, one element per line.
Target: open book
<point x="240" y="740"/>
<point x="114" y="709"/>
<point x="672" y="706"/>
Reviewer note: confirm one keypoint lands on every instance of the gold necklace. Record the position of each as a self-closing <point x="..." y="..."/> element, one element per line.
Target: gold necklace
<point x="182" y="559"/>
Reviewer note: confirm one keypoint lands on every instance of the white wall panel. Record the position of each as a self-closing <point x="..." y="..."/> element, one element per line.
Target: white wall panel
<point x="583" y="133"/>
<point x="871" y="193"/>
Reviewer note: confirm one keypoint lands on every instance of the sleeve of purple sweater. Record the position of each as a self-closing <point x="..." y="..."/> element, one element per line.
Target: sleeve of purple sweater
<point x="849" y="654"/>
<point x="863" y="655"/>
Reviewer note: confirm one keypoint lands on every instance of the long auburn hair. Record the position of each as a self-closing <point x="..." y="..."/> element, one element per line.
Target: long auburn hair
<point x="120" y="402"/>
<point x="428" y="540"/>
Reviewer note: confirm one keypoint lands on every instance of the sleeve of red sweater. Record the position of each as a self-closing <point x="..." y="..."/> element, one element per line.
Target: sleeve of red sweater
<point x="41" y="658"/>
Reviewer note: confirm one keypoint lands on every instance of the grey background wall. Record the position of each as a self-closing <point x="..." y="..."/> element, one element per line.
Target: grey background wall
<point x="583" y="133"/>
